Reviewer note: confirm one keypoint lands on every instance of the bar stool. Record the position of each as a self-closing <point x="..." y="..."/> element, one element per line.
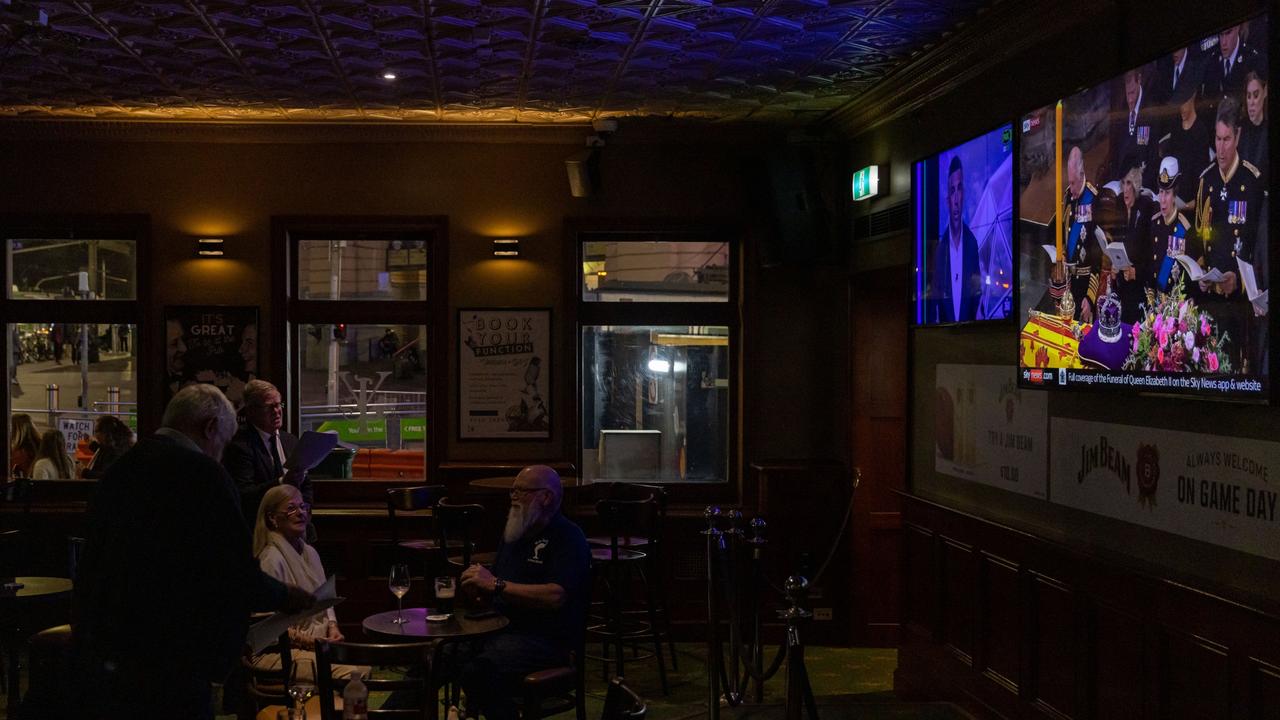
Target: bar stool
<point x="455" y="524"/>
<point x="654" y="570"/>
<point x="619" y="567"/>
<point x="410" y="499"/>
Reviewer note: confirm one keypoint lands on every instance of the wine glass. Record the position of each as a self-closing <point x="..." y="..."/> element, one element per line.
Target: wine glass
<point x="302" y="683"/>
<point x="398" y="582"/>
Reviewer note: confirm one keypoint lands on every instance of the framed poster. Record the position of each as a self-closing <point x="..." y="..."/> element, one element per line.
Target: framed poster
<point x="210" y="344"/>
<point x="504" y="373"/>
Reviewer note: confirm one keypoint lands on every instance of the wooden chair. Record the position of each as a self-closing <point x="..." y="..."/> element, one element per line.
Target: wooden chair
<point x="266" y="688"/>
<point x="621" y="703"/>
<point x="555" y="690"/>
<point x="414" y="658"/>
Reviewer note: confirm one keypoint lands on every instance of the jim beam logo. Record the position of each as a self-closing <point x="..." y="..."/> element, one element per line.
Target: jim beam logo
<point x="1104" y="456"/>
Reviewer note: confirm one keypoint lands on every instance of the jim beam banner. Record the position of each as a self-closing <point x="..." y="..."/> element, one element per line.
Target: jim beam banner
<point x="504" y="373"/>
<point x="990" y="431"/>
<point x="1206" y="487"/>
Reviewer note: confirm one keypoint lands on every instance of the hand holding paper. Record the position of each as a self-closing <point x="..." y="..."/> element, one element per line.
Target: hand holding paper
<point x="1213" y="275"/>
<point x="312" y="447"/>
<point x="268" y="630"/>
<point x="1119" y="256"/>
<point x="1250" y="281"/>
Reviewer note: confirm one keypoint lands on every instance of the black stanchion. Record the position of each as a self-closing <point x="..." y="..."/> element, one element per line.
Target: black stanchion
<point x="728" y="677"/>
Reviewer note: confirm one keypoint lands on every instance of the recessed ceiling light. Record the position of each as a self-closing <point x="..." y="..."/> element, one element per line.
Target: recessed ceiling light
<point x="388" y="75"/>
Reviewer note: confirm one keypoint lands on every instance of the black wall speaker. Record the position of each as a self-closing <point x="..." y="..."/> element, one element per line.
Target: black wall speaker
<point x="799" y="194"/>
<point x="583" y="169"/>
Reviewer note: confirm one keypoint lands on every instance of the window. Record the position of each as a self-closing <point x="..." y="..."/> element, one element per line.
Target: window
<point x="657" y="318"/>
<point x="72" y="317"/>
<point x="359" y="331"/>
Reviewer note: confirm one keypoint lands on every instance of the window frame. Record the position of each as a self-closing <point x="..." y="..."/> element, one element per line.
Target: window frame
<point x="138" y="312"/>
<point x="431" y="312"/>
<point x="726" y="313"/>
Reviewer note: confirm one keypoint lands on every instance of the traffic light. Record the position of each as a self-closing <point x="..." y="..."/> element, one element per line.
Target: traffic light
<point x="340" y="331"/>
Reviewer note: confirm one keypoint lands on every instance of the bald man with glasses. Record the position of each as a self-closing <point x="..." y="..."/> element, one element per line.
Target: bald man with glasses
<point x="539" y="581"/>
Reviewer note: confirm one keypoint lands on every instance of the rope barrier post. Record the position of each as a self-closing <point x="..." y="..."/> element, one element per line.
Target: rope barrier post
<point x="734" y="533"/>
<point x="757" y="542"/>
<point x="798" y="689"/>
<point x="714" y="539"/>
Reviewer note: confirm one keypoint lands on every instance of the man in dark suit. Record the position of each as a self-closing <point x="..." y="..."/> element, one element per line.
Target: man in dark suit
<point x="256" y="455"/>
<point x="1170" y="71"/>
<point x="1134" y="134"/>
<point x="1225" y="72"/>
<point x="956" y="283"/>
<point x="167" y="580"/>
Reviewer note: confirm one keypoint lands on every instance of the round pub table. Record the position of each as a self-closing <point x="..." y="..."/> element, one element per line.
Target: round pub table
<point x="418" y="628"/>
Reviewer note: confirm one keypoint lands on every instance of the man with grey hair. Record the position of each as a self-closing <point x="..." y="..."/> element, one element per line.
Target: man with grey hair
<point x="539" y="581"/>
<point x="256" y="454"/>
<point x="167" y="579"/>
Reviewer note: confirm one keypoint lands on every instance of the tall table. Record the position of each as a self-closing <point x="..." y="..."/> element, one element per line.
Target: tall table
<point x="17" y="607"/>
<point x="417" y="629"/>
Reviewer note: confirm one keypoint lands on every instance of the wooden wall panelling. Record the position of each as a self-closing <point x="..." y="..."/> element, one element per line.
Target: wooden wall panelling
<point x="1054" y="647"/>
<point x="1001" y="619"/>
<point x="920" y="595"/>
<point x="959" y="598"/>
<point x="1117" y="668"/>
<point x="990" y="609"/>
<point x="1195" y="681"/>
<point x="1263" y="689"/>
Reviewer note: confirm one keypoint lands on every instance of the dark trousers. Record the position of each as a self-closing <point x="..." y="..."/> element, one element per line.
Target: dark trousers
<point x="490" y="670"/>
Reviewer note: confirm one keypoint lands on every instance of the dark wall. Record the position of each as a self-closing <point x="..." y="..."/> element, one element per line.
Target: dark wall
<point x="489" y="183"/>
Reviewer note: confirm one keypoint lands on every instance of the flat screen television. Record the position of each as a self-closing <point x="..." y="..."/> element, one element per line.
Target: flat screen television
<point x="963" y="199"/>
<point x="1143" y="223"/>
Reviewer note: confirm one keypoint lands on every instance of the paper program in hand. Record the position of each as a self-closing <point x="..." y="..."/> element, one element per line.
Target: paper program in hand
<point x="312" y="447"/>
<point x="266" y="631"/>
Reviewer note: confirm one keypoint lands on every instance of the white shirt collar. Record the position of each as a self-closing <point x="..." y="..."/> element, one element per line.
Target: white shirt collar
<point x="266" y="436"/>
<point x="1231" y="59"/>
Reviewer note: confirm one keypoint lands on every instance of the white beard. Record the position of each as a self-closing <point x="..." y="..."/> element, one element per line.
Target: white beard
<point x="518" y="523"/>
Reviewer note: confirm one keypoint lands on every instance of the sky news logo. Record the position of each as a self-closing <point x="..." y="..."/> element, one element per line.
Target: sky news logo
<point x="1030" y="123"/>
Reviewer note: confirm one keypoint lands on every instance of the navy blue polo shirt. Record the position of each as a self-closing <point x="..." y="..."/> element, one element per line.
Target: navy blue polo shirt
<point x="556" y="554"/>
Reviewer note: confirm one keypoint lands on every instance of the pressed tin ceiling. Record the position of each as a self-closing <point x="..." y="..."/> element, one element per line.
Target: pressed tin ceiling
<point x="780" y="61"/>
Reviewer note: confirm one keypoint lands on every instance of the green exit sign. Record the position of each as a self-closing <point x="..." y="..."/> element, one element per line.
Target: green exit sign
<point x="866" y="182"/>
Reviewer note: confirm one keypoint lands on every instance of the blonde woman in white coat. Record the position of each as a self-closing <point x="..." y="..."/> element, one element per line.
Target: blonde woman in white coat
<point x="279" y="543"/>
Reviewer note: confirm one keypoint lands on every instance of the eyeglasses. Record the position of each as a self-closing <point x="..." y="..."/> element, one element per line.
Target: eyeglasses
<point x="292" y="510"/>
<point x="522" y="491"/>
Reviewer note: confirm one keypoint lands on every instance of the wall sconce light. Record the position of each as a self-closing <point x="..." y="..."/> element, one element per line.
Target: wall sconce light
<point x="506" y="247"/>
<point x="209" y="247"/>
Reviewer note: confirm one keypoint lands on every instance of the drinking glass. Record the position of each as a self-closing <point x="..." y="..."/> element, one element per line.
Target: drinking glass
<point x="398" y="581"/>
<point x="446" y="588"/>
<point x="302" y="683"/>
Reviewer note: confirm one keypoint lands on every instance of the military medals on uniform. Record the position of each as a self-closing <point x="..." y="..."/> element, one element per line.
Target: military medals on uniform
<point x="1236" y="211"/>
